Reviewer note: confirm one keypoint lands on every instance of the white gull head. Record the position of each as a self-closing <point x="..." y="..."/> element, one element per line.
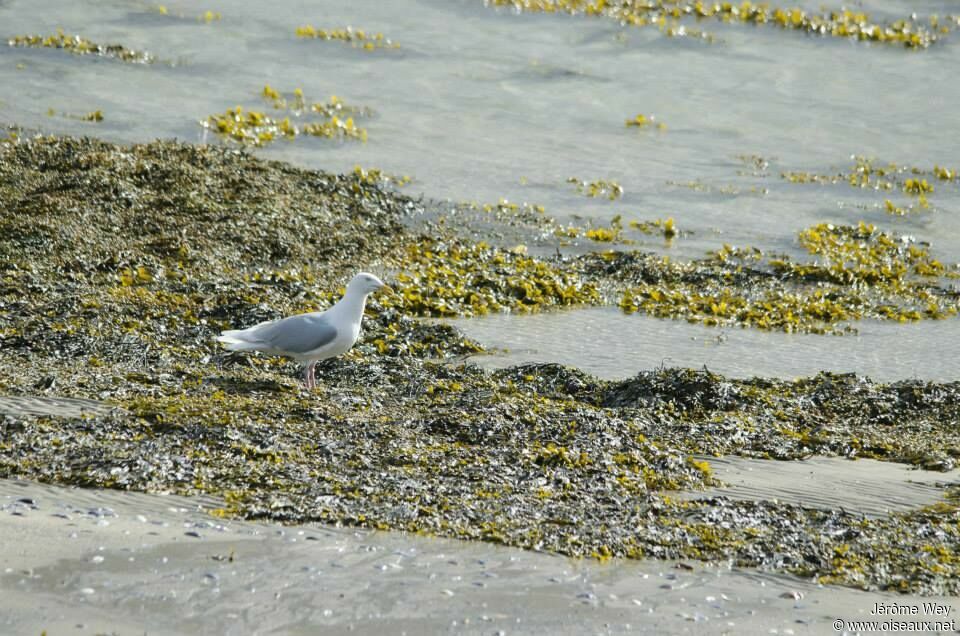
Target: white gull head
<point x="364" y="283"/>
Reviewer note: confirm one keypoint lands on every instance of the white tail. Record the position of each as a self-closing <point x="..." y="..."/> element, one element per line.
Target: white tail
<point x="239" y="340"/>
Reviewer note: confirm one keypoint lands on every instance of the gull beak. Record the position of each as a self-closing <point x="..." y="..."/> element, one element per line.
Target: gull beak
<point x="387" y="289"/>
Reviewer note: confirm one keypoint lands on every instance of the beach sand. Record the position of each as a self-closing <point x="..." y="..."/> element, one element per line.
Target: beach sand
<point x="85" y="561"/>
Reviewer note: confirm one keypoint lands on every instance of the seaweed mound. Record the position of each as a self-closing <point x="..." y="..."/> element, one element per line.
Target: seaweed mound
<point x="118" y="265"/>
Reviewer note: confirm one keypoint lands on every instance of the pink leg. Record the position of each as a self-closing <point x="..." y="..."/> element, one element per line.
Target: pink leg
<point x="311" y="378"/>
<point x="307" y="370"/>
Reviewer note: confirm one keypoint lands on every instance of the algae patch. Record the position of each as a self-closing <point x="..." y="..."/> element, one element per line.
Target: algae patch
<point x="357" y="38"/>
<point x="332" y="120"/>
<point x="915" y="183"/>
<point x="95" y="116"/>
<point x="456" y="278"/>
<point x="861" y="272"/>
<point x="207" y="17"/>
<point x="642" y="121"/>
<point x="672" y="17"/>
<point x="602" y="188"/>
<point x="81" y="46"/>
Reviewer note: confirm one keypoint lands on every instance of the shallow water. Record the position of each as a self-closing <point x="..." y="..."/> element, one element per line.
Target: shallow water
<point x="608" y="343"/>
<point x="479" y="104"/>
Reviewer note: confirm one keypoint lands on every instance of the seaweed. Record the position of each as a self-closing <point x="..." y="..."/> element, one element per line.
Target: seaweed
<point x="118" y="265"/>
<point x="81" y="46"/>
<point x="672" y="17"/>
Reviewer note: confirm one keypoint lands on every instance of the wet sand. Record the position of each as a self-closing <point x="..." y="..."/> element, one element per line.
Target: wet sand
<point x="81" y="561"/>
<point x="864" y="486"/>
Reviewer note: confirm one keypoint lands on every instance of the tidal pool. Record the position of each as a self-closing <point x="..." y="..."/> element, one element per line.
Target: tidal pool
<point x="608" y="343"/>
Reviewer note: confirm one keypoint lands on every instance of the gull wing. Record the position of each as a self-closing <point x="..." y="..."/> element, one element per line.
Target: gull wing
<point x="298" y="334"/>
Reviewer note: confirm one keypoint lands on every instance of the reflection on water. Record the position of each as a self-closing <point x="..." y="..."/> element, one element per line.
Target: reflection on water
<point x="608" y="343"/>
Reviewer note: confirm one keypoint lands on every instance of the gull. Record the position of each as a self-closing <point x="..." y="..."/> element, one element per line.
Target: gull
<point x="311" y="337"/>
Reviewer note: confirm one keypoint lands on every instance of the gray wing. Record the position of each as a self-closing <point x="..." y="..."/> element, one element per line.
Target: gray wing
<point x="298" y="334"/>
